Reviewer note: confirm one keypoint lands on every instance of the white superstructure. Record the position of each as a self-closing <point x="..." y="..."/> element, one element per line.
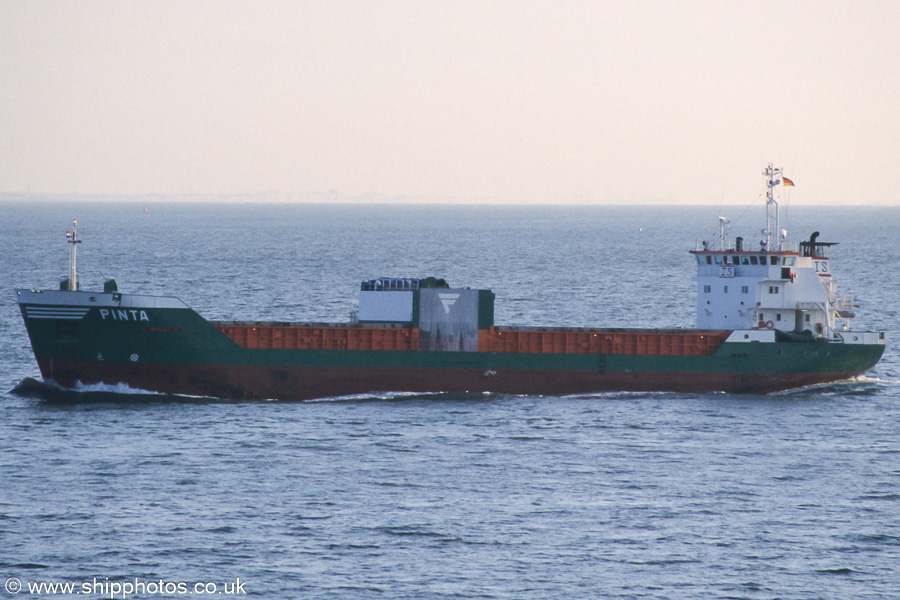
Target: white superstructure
<point x="775" y="286"/>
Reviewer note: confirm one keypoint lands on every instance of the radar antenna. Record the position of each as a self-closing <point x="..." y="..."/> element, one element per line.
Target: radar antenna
<point x="723" y="221"/>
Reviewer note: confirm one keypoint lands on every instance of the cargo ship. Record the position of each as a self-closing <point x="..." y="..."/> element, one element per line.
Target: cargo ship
<point x="768" y="319"/>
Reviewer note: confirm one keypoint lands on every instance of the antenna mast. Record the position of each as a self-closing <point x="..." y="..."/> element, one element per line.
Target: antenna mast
<point x="72" y="238"/>
<point x="773" y="178"/>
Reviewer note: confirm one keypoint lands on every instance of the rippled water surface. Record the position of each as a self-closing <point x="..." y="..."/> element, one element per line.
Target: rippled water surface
<point x="793" y="495"/>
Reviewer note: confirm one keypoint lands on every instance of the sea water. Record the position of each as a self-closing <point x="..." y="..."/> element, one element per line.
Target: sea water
<point x="619" y="495"/>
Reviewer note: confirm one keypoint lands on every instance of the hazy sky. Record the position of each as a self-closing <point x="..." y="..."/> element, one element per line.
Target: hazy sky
<point x="523" y="101"/>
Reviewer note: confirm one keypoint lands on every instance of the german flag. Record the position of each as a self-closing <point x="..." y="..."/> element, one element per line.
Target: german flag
<point x="787" y="182"/>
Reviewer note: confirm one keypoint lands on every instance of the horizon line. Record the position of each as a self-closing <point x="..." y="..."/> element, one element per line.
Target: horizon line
<point x="335" y="197"/>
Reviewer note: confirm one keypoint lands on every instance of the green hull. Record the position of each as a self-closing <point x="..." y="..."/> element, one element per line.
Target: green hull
<point x="158" y="344"/>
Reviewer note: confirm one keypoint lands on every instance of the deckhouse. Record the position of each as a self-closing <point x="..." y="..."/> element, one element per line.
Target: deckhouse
<point x="778" y="286"/>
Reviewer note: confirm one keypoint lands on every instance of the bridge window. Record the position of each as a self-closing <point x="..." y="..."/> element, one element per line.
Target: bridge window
<point x="754" y="260"/>
<point x="773" y="260"/>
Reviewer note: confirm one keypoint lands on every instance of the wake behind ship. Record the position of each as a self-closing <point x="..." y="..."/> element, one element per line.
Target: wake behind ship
<point x="768" y="319"/>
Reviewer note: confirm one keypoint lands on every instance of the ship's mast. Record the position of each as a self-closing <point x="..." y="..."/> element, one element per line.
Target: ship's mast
<point x="773" y="178"/>
<point x="722" y="223"/>
<point x="72" y="238"/>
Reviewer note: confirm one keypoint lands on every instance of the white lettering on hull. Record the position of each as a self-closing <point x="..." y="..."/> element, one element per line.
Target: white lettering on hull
<point x="120" y="314"/>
